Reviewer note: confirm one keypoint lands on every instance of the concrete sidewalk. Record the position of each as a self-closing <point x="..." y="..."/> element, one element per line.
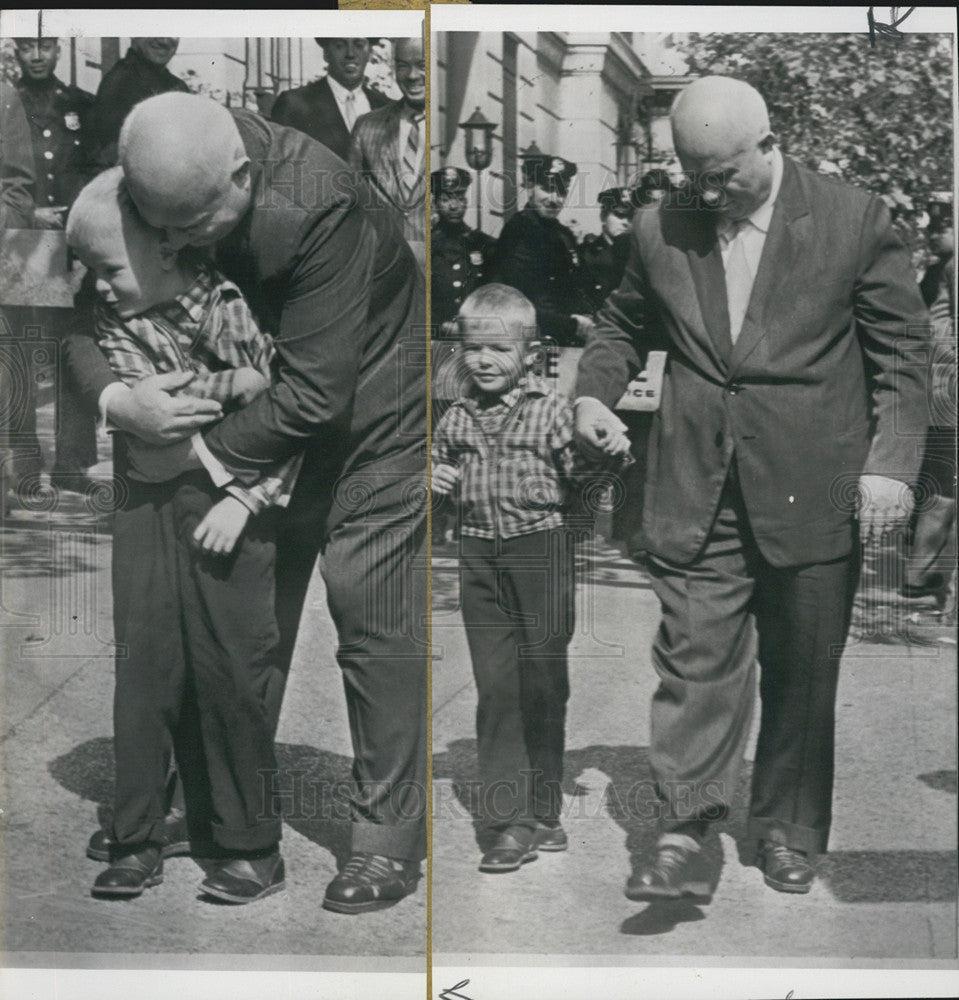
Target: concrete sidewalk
<point x="887" y="889"/>
<point x="56" y="652"/>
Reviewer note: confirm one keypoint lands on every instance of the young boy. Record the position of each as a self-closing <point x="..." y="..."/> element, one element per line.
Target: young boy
<point x="192" y="567"/>
<point x="505" y="447"/>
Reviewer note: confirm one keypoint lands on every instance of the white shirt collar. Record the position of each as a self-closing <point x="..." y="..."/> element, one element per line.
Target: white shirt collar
<point x="340" y="92"/>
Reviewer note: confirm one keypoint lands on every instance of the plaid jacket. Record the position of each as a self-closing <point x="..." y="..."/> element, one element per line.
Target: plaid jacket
<point x="516" y="460"/>
<point x="210" y="331"/>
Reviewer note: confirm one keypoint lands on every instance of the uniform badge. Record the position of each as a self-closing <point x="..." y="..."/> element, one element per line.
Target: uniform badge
<point x="72" y="121"/>
<point x="574" y="258"/>
<point x="476" y="257"/>
<point x="450" y="177"/>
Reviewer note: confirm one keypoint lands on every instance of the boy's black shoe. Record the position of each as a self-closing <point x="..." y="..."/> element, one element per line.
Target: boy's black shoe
<point x="670" y="875"/>
<point x="784" y="869"/>
<point x="131" y="873"/>
<point x="513" y="848"/>
<point x="100" y="844"/>
<point x="550" y="837"/>
<point x="370" y="882"/>
<point x="246" y="879"/>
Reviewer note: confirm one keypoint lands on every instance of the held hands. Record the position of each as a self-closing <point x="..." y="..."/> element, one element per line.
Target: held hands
<point x="218" y="532"/>
<point x="885" y="503"/>
<point x="444" y="479"/>
<point x="248" y="383"/>
<point x="584" y="326"/>
<point x="598" y="431"/>
<point x="151" y="413"/>
<point x="49" y="217"/>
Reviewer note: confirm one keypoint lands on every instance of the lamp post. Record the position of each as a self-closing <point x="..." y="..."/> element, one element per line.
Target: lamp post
<point x="479" y="151"/>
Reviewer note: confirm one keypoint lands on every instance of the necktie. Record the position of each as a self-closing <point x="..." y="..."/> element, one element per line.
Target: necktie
<point x="350" y="111"/>
<point x="411" y="154"/>
<point x="739" y="277"/>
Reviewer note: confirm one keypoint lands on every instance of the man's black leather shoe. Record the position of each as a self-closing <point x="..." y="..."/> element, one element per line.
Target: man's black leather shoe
<point x="130" y="874"/>
<point x="370" y="882"/>
<point x="512" y="849"/>
<point x="784" y="869"/>
<point x="177" y="839"/>
<point x="670" y="875"/>
<point x="245" y="880"/>
<point x="550" y="838"/>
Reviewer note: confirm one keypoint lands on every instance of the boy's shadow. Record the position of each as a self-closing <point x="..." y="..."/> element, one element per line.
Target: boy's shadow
<point x="313" y="786"/>
<point x="629" y="800"/>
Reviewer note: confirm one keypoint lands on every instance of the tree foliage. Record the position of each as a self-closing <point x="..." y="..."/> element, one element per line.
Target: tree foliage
<point x="880" y="118"/>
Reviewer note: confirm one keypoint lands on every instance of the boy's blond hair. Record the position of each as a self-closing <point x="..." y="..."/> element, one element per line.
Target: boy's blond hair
<point x="500" y="304"/>
<point x="103" y="207"/>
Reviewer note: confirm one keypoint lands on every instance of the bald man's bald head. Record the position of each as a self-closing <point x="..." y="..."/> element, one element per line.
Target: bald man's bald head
<point x="718" y="116"/>
<point x="723" y="140"/>
<point x="183" y="160"/>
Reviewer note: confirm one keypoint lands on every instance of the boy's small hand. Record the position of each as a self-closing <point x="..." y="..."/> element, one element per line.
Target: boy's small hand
<point x="248" y="383"/>
<point x="598" y="431"/>
<point x="218" y="532"/>
<point x="445" y="478"/>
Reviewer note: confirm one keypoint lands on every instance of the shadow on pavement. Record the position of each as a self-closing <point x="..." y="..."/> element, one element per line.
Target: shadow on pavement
<point x="893" y="876"/>
<point x="313" y="785"/>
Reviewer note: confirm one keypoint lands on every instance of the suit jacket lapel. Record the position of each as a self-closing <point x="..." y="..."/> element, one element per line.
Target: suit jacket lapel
<point x="706" y="266"/>
<point x="787" y="236"/>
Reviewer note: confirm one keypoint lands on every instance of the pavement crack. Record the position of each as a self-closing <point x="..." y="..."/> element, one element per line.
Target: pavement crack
<point x="15" y="729"/>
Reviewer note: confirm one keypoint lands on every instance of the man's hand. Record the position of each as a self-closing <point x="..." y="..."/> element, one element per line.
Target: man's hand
<point x="49" y="217"/>
<point x="444" y="479"/>
<point x="584" y="326"/>
<point x="886" y="503"/>
<point x="149" y="412"/>
<point x="219" y="531"/>
<point x="598" y="431"/>
<point x="248" y="383"/>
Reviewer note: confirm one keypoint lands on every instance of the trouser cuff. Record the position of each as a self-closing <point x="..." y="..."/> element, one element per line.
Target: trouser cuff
<point x="683" y="840"/>
<point x="791" y="835"/>
<point x="403" y="841"/>
<point x="251" y="838"/>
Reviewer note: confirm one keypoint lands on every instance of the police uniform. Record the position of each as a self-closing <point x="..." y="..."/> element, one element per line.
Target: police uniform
<point x="458" y="255"/>
<point x="604" y="259"/>
<point x="540" y="258"/>
<point x="57" y="113"/>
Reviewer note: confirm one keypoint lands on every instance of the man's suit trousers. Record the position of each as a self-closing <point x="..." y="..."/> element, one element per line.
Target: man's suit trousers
<point x="713" y="611"/>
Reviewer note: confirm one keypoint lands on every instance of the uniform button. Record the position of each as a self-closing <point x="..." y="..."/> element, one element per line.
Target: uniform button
<point x="49" y="197"/>
<point x="456" y="267"/>
<point x="48" y="155"/>
<point x="76" y="142"/>
<point x="457" y="284"/>
<point x="49" y="177"/>
<point x="47" y="133"/>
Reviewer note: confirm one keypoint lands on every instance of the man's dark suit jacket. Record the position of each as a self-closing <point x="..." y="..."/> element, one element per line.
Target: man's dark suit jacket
<point x="313" y="109"/>
<point x="337" y="286"/>
<point x="822" y="384"/>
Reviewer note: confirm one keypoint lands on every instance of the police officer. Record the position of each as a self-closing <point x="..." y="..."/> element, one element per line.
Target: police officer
<point x="140" y="74"/>
<point x="604" y="256"/>
<point x="57" y="114"/>
<point x="458" y="255"/>
<point x="538" y="255"/>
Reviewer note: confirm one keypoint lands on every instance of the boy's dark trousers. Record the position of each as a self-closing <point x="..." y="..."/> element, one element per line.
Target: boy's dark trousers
<point x="197" y="642"/>
<point x="518" y="609"/>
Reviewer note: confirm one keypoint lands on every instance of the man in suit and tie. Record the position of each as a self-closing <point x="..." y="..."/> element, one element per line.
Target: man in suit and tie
<point x="389" y="145"/>
<point x="331" y="277"/>
<point x="792" y="315"/>
<point x="328" y="108"/>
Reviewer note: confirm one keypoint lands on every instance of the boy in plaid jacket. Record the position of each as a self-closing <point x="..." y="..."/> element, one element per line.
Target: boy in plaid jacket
<point x="505" y="449"/>
<point x="193" y="566"/>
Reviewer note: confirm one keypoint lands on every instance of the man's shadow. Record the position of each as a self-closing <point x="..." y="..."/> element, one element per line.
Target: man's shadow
<point x="874" y="876"/>
<point x="313" y="787"/>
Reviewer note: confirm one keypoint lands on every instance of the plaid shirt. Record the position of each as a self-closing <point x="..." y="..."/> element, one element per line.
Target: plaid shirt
<point x="208" y="330"/>
<point x="515" y="458"/>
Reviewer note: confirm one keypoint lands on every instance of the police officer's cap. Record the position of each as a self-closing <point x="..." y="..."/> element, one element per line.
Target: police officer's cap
<point x="617" y="200"/>
<point x="653" y="180"/>
<point x="548" y="171"/>
<point x="449" y="180"/>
